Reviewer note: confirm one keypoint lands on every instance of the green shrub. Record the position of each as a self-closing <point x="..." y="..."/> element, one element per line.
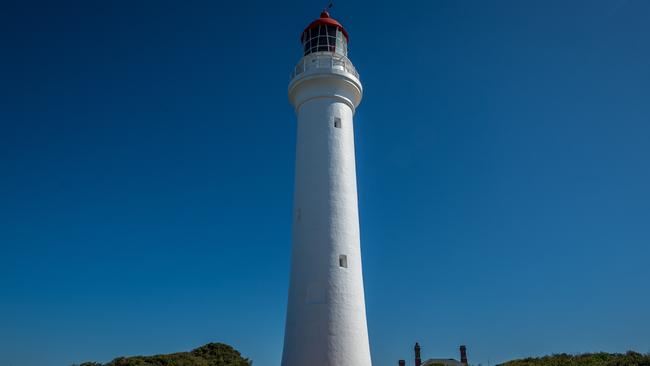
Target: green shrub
<point x="587" y="359"/>
<point x="212" y="354"/>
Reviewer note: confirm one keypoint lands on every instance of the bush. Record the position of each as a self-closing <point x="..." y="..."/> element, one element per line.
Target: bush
<point x="212" y="354"/>
<point x="587" y="359"/>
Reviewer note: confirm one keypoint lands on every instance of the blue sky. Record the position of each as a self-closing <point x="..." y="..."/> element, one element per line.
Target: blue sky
<point x="146" y="165"/>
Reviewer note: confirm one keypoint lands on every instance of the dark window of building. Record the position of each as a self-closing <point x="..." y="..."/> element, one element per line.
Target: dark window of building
<point x="324" y="38"/>
<point x="337" y="122"/>
<point x="343" y="261"/>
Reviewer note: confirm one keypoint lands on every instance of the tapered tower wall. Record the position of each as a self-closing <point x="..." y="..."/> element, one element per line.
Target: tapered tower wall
<point x="326" y="318"/>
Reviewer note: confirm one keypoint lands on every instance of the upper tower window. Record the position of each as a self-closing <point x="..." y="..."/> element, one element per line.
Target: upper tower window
<point x="325" y="35"/>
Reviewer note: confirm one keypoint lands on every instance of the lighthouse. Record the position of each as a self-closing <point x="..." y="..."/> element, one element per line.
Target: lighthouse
<point x="326" y="313"/>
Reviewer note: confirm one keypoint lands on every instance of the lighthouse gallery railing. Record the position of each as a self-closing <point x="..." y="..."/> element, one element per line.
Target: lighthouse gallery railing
<point x="324" y="60"/>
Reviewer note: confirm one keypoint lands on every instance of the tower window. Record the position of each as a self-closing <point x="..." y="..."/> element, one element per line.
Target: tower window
<point x="343" y="261"/>
<point x="337" y="122"/>
<point x="324" y="38"/>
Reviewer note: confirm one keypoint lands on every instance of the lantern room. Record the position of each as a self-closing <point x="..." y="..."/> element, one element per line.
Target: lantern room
<point x="325" y="35"/>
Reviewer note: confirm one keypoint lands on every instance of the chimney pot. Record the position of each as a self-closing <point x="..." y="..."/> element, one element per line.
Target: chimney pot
<point x="463" y="354"/>
<point x="418" y="359"/>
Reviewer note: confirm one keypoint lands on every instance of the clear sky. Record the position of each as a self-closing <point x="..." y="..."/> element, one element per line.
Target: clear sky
<point x="146" y="176"/>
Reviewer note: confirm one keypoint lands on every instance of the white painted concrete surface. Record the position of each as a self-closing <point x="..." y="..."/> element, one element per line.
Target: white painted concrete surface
<point x="326" y="316"/>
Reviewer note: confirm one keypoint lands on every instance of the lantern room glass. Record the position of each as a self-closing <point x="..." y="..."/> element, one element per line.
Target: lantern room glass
<point x="324" y="38"/>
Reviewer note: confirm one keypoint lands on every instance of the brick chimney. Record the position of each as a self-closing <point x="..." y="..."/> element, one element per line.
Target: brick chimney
<point x="463" y="354"/>
<point x="418" y="359"/>
<point x="401" y="363"/>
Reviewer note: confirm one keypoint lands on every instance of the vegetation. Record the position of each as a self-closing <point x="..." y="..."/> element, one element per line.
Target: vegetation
<point x="588" y="359"/>
<point x="212" y="354"/>
<point x="219" y="354"/>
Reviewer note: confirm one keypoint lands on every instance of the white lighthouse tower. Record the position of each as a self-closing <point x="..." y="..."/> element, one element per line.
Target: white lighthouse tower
<point x="326" y="315"/>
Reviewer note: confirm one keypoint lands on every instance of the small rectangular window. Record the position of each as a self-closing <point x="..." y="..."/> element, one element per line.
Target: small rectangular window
<point x="337" y="122"/>
<point x="343" y="261"/>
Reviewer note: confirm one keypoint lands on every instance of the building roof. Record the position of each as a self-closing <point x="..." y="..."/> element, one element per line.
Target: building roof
<point x="325" y="19"/>
<point x="442" y="361"/>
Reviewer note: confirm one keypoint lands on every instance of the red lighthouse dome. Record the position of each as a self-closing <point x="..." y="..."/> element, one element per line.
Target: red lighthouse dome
<point x="325" y="34"/>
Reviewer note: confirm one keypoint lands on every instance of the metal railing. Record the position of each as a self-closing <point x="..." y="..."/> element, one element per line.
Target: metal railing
<point x="324" y="60"/>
